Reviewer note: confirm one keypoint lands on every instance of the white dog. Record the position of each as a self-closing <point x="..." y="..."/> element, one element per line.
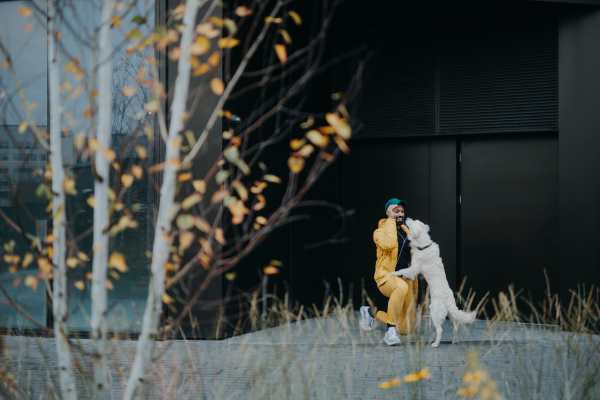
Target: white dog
<point x="426" y="260"/>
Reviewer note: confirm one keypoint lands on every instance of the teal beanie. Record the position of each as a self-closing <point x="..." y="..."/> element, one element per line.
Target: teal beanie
<point x="395" y="201"/>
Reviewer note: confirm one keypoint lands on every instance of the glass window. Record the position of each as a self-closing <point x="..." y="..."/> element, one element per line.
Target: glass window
<point x="43" y="157"/>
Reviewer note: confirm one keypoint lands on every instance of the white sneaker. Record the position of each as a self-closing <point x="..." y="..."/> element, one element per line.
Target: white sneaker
<point x="366" y="321"/>
<point x="391" y="337"/>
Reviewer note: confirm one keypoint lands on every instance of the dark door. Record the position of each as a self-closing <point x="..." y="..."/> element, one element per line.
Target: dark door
<point x="376" y="171"/>
<point x="509" y="214"/>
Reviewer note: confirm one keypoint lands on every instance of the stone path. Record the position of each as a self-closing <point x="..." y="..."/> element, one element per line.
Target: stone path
<point x="332" y="358"/>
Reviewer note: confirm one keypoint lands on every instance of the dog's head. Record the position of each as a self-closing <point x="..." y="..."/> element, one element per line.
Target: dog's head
<point x="417" y="228"/>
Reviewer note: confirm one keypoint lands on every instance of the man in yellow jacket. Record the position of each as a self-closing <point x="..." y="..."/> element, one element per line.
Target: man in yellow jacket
<point x="393" y="252"/>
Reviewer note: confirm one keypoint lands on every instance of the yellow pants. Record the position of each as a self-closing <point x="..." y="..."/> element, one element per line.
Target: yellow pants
<point x="401" y="305"/>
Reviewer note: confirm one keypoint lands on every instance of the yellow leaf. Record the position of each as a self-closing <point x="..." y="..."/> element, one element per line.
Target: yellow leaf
<point x="186" y="239"/>
<point x="137" y="171"/>
<point x="227" y="42"/>
<point x="5" y="64"/>
<point x="202" y="224"/>
<point x="281" y="52"/>
<point x="296" y="164"/>
<point x="269" y="20"/>
<point x="72" y="262"/>
<point x="28" y="259"/>
<point x="306" y="150"/>
<point x="185" y="221"/>
<point x="214" y="59"/>
<point x="175" y="53"/>
<point x="25" y="11"/>
<point x="262" y="202"/>
<point x="238" y="211"/>
<point x="23" y="127"/>
<point x="117" y="261"/>
<point x="219" y="236"/>
<point x="206" y="29"/>
<point x="217" y="86"/>
<point x="29" y="27"/>
<point x="339" y="125"/>
<point x="243" y="11"/>
<point x="191" y="201"/>
<point x="389" y="384"/>
<point x="127" y="180"/>
<point x="217" y="21"/>
<point x="231" y="26"/>
<point x="80" y="285"/>
<point x="152" y="106"/>
<point x="317" y="138"/>
<point x="87" y="112"/>
<point x="109" y="154"/>
<point x="167" y="299"/>
<point x="69" y="185"/>
<point x="109" y="285"/>
<point x="241" y="190"/>
<point x="261" y="220"/>
<point x="32" y="282"/>
<point x="115" y="21"/>
<point x="129" y="91"/>
<point x="201" y="69"/>
<point x="468" y="392"/>
<point x="82" y="256"/>
<point x="230" y="276"/>
<point x="271" y="270"/>
<point x="90" y="201"/>
<point x="200" y="186"/>
<point x="286" y="36"/>
<point x="295" y="16"/>
<point x="16" y="282"/>
<point x="200" y="46"/>
<point x="295" y="144"/>
<point x="272" y="178"/>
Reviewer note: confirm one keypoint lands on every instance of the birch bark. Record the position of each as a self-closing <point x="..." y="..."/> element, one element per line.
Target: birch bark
<point x="59" y="298"/>
<point x="101" y="202"/>
<point x="162" y="241"/>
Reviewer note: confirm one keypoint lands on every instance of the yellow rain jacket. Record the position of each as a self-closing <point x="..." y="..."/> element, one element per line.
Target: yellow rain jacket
<point x="386" y="239"/>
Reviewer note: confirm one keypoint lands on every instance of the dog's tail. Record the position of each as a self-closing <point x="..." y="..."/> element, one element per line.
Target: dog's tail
<point x="458" y="315"/>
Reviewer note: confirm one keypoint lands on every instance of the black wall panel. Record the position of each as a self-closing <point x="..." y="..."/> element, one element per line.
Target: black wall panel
<point x="509" y="214"/>
<point x="499" y="76"/>
<point x="579" y="144"/>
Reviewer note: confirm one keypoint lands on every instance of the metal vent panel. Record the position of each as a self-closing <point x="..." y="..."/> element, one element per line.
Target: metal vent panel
<point x="499" y="76"/>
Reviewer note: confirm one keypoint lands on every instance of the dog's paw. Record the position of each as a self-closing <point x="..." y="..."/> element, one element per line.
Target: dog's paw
<point x="455" y="341"/>
<point x="434" y="345"/>
<point x="397" y="273"/>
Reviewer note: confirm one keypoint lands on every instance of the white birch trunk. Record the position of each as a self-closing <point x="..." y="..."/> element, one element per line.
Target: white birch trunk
<point x="59" y="297"/>
<point x="101" y="202"/>
<point x="160" y="254"/>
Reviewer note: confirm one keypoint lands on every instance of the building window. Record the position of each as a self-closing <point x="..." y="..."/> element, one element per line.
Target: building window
<point x="4" y="157"/>
<point x="33" y="157"/>
<point x="17" y="157"/>
<point x="43" y="157"/>
<point x="3" y="144"/>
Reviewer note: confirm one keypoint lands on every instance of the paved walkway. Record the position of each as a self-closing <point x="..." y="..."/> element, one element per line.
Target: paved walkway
<point x="332" y="358"/>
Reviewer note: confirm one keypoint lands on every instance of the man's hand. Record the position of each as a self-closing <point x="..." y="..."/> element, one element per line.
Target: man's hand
<point x="391" y="211"/>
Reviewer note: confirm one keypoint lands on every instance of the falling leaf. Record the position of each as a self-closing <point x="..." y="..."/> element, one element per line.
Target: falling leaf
<point x="228" y="42"/>
<point x="317" y="138"/>
<point x="191" y="201"/>
<point x="271" y="270"/>
<point x="25" y="11"/>
<point x="80" y="285"/>
<point x="127" y="180"/>
<point x="133" y="34"/>
<point x="217" y="86"/>
<point x="274" y="20"/>
<point x="423" y="374"/>
<point x="296" y="164"/>
<point x="295" y="16"/>
<point x="272" y="178"/>
<point x="200" y="46"/>
<point x="281" y="52"/>
<point x="243" y="11"/>
<point x="138" y="19"/>
<point x="129" y="91"/>
<point x="201" y="69"/>
<point x="23" y="127"/>
<point x="389" y="384"/>
<point x="117" y="261"/>
<point x="29" y="27"/>
<point x="32" y="282"/>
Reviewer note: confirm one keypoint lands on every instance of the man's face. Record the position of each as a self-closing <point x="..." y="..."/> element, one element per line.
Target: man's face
<point x="400" y="217"/>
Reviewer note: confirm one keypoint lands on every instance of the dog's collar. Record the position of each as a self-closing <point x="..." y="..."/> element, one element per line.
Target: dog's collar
<point x="423" y="248"/>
